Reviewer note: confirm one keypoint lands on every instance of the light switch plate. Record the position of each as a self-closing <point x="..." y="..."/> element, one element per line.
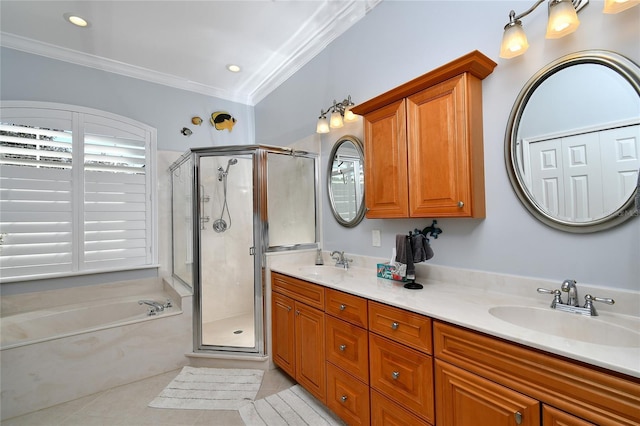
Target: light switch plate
<point x="375" y="238"/>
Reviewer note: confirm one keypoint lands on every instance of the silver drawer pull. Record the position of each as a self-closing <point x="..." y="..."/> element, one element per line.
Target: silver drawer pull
<point x="518" y="415"/>
<point x="343" y="307"/>
<point x="342" y="348"/>
<point x="460" y="204"/>
<point x="394" y="326"/>
<point x="395" y="375"/>
<point x="343" y="398"/>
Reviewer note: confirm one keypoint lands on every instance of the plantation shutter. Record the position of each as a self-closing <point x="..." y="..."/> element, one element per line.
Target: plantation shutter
<point x="36" y="194"/>
<point x="116" y="205"/>
<point x="75" y="193"/>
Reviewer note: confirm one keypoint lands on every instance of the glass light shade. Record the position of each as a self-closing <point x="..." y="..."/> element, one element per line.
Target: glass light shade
<point x="514" y="41"/>
<point x="349" y="116"/>
<point x="336" y="120"/>
<point x="323" y="125"/>
<point x="617" y="6"/>
<point x="563" y="19"/>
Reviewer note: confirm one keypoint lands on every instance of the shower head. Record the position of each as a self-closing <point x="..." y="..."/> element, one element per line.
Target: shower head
<point x="231" y="162"/>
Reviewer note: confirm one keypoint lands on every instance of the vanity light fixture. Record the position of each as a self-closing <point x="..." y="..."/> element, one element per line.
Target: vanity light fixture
<point x="563" y="20"/>
<point x="340" y="113"/>
<point x="616" y="6"/>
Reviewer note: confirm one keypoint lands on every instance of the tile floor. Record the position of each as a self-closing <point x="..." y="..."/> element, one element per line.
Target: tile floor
<point x="126" y="405"/>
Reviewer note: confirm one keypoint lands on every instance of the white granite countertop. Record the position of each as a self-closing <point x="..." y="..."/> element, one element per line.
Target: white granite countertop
<point x="610" y="340"/>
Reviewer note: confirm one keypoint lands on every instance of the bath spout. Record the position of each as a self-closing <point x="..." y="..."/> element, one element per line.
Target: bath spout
<point x="155" y="307"/>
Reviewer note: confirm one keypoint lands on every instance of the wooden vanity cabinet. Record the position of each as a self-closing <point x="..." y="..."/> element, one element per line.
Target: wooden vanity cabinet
<point x="571" y="393"/>
<point x="298" y="331"/>
<point x="423" y="146"/>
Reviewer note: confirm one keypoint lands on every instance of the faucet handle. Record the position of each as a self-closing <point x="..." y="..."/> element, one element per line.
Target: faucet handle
<point x="589" y="299"/>
<point x="557" y="296"/>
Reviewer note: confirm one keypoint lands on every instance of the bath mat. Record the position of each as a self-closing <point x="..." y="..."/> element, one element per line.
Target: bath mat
<point x="210" y="389"/>
<point x="291" y="407"/>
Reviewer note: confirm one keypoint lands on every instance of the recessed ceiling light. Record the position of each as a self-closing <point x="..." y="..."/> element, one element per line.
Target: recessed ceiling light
<point x="76" y="20"/>
<point x="233" y="68"/>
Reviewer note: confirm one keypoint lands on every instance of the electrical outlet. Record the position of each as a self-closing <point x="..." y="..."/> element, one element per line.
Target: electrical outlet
<point x="375" y="238"/>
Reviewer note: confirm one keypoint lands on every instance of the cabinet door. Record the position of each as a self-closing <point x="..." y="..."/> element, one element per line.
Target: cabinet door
<point x="554" y="417"/>
<point x="282" y="330"/>
<point x="445" y="158"/>
<point x="464" y="399"/>
<point x="385" y="162"/>
<point x="310" y="354"/>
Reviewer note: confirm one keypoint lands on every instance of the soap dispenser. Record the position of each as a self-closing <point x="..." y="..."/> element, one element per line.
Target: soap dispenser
<point x="319" y="260"/>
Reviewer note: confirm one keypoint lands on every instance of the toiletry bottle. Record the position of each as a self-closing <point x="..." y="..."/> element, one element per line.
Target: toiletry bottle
<point x="319" y="260"/>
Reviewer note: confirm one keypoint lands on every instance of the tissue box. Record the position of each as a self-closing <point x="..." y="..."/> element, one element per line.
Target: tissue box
<point x="389" y="272"/>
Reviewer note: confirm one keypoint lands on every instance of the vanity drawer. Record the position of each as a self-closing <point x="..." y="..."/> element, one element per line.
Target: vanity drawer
<point x="348" y="347"/>
<point x="402" y="374"/>
<point x="402" y="326"/>
<point x="346" y="307"/>
<point x="303" y="291"/>
<point x="347" y="396"/>
<point x="385" y="412"/>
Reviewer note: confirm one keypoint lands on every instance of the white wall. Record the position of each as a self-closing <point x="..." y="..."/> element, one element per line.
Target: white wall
<point x="399" y="41"/>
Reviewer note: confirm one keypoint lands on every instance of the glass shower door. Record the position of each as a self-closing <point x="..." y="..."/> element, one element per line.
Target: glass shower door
<point x="228" y="300"/>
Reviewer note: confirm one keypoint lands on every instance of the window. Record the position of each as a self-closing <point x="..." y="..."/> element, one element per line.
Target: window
<point x="75" y="192"/>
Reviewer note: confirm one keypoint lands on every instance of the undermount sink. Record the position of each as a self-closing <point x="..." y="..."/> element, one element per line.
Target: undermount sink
<point x="568" y="325"/>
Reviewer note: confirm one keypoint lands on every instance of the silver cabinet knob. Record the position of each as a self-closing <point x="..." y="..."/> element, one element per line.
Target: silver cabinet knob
<point x="518" y="416"/>
<point x="342" y="348"/>
<point x="395" y="375"/>
<point x="343" y="398"/>
<point x="394" y="325"/>
<point x="343" y="307"/>
<point x="460" y="204"/>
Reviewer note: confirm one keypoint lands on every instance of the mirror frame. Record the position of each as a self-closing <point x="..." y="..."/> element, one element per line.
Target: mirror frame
<point x="361" y="210"/>
<point x="618" y="63"/>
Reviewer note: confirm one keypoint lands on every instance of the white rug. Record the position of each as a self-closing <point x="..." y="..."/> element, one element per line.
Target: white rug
<point x="210" y="389"/>
<point x="291" y="407"/>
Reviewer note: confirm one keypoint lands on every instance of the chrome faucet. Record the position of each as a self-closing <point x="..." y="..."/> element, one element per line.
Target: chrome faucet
<point x="569" y="286"/>
<point x="572" y="305"/>
<point x="340" y="259"/>
<point x="155" y="307"/>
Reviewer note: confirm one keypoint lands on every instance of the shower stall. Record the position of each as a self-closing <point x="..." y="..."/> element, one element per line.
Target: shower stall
<point x="231" y="206"/>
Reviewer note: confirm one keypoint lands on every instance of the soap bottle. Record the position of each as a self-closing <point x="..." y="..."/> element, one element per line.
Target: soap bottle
<point x="319" y="260"/>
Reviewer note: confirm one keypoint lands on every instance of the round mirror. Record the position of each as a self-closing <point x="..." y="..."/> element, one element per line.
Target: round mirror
<point x="345" y="181"/>
<point x="572" y="145"/>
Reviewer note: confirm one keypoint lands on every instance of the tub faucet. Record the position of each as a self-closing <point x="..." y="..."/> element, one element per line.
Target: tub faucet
<point x="155" y="307"/>
<point x="340" y="259"/>
<point x="569" y="286"/>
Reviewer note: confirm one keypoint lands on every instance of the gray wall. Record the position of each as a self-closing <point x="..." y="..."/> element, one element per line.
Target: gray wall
<point x="399" y="41"/>
<point x="29" y="77"/>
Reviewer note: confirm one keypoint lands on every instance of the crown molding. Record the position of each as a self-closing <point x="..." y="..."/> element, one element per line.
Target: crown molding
<point x="51" y="51"/>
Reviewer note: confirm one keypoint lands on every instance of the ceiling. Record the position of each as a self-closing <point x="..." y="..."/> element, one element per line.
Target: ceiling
<point x="185" y="44"/>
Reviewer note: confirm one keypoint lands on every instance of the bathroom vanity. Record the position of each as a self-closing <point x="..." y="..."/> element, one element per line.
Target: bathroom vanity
<point x="376" y="353"/>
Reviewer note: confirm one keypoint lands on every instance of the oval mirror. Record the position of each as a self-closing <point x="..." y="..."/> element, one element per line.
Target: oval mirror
<point x="572" y="145"/>
<point x="345" y="181"/>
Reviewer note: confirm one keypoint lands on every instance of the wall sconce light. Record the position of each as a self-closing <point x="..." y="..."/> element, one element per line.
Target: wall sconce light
<point x="340" y="113"/>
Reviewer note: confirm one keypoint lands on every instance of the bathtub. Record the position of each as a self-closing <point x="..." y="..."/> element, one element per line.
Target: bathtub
<point x="60" y="345"/>
<point x="58" y="322"/>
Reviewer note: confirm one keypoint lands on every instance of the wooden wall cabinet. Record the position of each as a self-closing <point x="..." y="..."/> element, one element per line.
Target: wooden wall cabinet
<point x="423" y="149"/>
<point x="298" y="331"/>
